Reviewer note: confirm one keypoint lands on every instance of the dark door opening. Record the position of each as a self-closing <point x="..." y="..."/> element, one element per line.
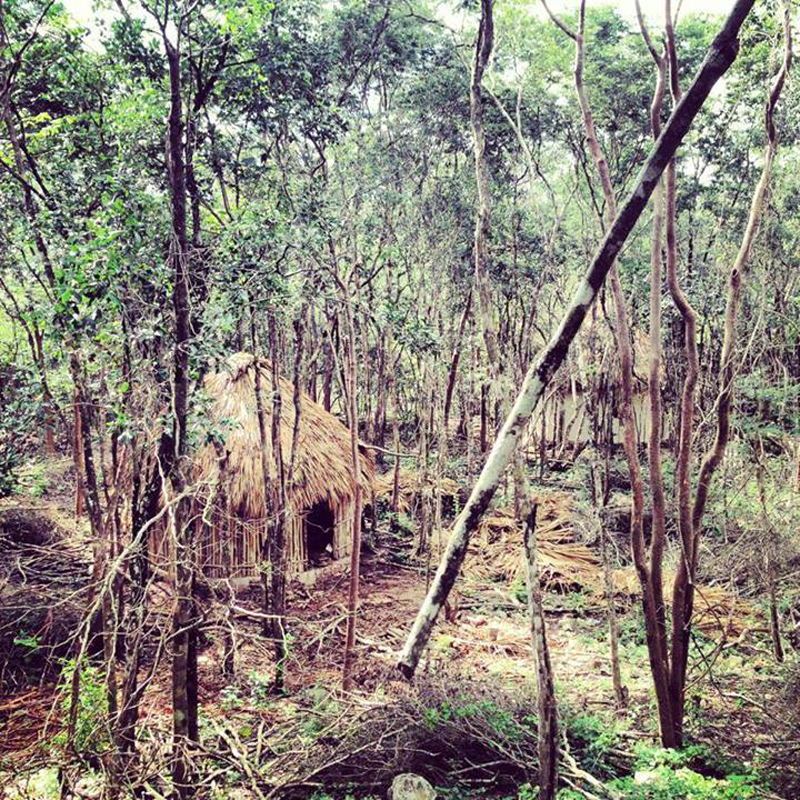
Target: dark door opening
<point x="319" y="534"/>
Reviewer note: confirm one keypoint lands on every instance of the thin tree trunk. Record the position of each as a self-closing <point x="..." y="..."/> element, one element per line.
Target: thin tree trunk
<point x="78" y="458"/>
<point x="355" y="553"/>
<point x="457" y="347"/>
<point x="278" y="508"/>
<point x="483" y="52"/>
<point x="184" y="633"/>
<point x="770" y="547"/>
<point x="620" y="692"/>
<point x="547" y="722"/>
<point x="395" y="505"/>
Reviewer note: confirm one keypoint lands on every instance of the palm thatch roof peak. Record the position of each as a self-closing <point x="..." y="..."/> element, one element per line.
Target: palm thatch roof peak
<point x="323" y="470"/>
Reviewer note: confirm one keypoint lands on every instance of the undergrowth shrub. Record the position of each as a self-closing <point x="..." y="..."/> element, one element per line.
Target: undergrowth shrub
<point x="91" y="738"/>
<point x="666" y="774"/>
<point x="450" y="724"/>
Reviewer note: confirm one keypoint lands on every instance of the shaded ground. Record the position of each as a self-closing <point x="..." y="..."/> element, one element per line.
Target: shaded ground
<point x="734" y="706"/>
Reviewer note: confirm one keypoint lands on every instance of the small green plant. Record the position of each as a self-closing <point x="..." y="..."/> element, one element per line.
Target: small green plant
<point x="324" y="709"/>
<point x="665" y="774"/>
<point x="593" y="738"/>
<point x="91" y="736"/>
<point x="261" y="686"/>
<point x="229" y="698"/>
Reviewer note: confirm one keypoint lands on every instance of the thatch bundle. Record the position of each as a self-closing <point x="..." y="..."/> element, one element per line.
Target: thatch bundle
<point x="323" y="470"/>
<point x="567" y="564"/>
<point x="412" y="486"/>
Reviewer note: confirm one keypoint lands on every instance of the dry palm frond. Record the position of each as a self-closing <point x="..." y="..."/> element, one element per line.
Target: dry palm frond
<point x="567" y="564"/>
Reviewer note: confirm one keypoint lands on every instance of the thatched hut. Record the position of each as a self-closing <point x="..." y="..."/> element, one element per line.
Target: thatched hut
<point x="232" y="516"/>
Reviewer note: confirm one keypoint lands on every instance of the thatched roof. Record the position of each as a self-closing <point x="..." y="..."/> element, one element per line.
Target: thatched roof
<point x="323" y="470"/>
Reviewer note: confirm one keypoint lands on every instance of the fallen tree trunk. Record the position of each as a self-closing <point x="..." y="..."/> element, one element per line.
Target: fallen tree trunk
<point x="720" y="56"/>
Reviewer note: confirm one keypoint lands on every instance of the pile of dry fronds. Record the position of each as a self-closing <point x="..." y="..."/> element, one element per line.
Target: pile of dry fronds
<point x="568" y="564"/>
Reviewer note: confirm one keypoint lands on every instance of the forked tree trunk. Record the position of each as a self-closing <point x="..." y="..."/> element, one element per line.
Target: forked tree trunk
<point x="547" y="717"/>
<point x="483" y="52"/>
<point x="86" y="476"/>
<point x="719" y="57"/>
<point x="653" y="588"/>
<point x="683" y="593"/>
<point x="650" y="602"/>
<point x="658" y="535"/>
<point x="683" y="488"/>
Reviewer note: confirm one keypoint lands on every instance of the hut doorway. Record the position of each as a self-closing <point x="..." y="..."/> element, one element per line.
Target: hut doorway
<point x="320" y="523"/>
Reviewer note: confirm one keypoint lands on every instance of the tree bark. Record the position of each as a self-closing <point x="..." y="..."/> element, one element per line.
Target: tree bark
<point x="184" y="633"/>
<point x="355" y="553"/>
<point x="547" y="722"/>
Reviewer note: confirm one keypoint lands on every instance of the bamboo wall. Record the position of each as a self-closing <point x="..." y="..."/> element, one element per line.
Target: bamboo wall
<point x="233" y="547"/>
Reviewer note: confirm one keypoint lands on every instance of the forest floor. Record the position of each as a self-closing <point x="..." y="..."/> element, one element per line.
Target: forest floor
<point x="734" y="701"/>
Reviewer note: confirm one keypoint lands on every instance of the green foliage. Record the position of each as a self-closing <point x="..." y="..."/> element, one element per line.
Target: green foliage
<point x="91" y="737"/>
<point x="665" y="774"/>
<point x="593" y="739"/>
<point x="19" y="409"/>
<point x="463" y="707"/>
<point x="323" y="710"/>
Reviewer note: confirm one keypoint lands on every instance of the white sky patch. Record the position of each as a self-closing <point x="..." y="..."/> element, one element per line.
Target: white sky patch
<point x="83" y="12"/>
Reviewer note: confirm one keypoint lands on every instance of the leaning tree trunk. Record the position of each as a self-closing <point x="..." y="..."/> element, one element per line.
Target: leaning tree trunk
<point x="720" y="56"/>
